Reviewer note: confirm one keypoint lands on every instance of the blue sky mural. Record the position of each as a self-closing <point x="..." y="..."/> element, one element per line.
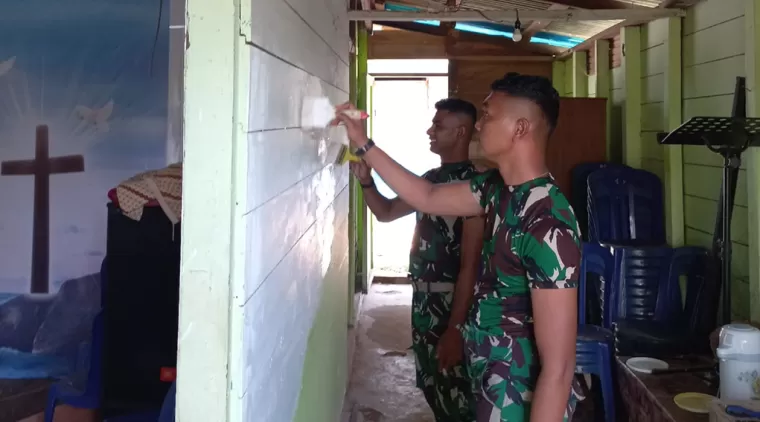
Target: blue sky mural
<point x="94" y="72"/>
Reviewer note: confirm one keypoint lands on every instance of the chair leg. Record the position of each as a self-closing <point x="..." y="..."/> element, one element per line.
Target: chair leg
<point x="608" y="386"/>
<point x="50" y="407"/>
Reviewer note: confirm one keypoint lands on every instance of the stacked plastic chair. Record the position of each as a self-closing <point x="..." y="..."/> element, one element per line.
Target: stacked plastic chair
<point x="647" y="310"/>
<point x="629" y="275"/>
<point x="625" y="207"/>
<point x="594" y="345"/>
<point x="579" y="194"/>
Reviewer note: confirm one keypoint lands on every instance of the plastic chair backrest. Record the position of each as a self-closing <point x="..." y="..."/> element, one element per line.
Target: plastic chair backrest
<point x="693" y="262"/>
<point x="579" y="194"/>
<point x="625" y="206"/>
<point x="640" y="287"/>
<point x="168" y="407"/>
<point x="595" y="259"/>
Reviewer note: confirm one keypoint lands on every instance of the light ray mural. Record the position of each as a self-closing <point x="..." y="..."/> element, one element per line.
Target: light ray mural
<point x="83" y="93"/>
<point x="83" y="106"/>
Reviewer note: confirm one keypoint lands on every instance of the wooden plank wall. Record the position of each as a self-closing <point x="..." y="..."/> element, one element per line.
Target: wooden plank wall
<point x="713" y="56"/>
<point x="398" y="44"/>
<point x="471" y="80"/>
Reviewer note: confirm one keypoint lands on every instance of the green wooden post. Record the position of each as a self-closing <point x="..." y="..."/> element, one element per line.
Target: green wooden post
<point x="568" y="77"/>
<point x="361" y="214"/>
<point x="752" y="156"/>
<point x="580" y="76"/>
<point x="675" y="222"/>
<point x="558" y="76"/>
<point x="631" y="38"/>
<point x="604" y="83"/>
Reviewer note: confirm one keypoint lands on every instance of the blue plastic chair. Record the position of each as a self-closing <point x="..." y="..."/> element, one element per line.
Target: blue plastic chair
<point x="693" y="262"/>
<point x="170" y="403"/>
<point x="63" y="393"/>
<point x="579" y="193"/>
<point x="625" y="207"/>
<point x="594" y="344"/>
<point x="597" y="262"/>
<point x="593" y="355"/>
<point x="639" y="289"/>
<point x="646" y="285"/>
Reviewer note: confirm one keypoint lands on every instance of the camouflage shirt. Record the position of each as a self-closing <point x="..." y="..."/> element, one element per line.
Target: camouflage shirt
<point x="435" y="253"/>
<point x="531" y="241"/>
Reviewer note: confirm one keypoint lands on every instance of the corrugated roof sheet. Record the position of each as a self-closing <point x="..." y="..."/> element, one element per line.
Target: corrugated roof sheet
<point x="576" y="29"/>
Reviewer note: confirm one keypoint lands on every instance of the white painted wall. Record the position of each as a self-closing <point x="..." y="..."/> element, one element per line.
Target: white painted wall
<point x="297" y="199"/>
<point x="265" y="212"/>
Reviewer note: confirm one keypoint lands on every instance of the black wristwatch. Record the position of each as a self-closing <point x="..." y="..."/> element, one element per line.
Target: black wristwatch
<point x="363" y="150"/>
<point x="369" y="185"/>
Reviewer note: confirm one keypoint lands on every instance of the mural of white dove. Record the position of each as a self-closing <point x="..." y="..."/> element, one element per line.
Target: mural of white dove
<point x="97" y="117"/>
<point x="7" y="65"/>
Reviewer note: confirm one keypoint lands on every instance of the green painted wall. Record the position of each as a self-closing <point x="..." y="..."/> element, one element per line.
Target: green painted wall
<point x="653" y="60"/>
<point x="568" y="78"/>
<point x="325" y="367"/>
<point x="617" y="100"/>
<point x="713" y="56"/>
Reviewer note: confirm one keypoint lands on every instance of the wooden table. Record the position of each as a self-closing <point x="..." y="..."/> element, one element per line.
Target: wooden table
<point x="22" y="398"/>
<point x="649" y="398"/>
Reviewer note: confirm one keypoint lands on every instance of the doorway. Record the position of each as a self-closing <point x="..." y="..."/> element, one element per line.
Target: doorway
<point x="402" y="110"/>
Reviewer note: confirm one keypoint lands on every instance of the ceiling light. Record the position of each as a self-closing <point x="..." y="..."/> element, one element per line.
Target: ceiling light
<point x="517" y="33"/>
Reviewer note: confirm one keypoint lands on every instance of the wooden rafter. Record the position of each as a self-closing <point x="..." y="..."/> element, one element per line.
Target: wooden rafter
<point x="537" y="26"/>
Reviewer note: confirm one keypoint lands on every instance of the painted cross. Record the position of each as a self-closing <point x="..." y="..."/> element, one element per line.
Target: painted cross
<point x="41" y="167"/>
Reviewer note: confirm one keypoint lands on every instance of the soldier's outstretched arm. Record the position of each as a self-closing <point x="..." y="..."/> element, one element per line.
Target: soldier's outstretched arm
<point x="454" y="199"/>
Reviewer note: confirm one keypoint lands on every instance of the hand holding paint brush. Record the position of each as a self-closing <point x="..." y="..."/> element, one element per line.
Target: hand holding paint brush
<point x="345" y="114"/>
<point x="318" y="114"/>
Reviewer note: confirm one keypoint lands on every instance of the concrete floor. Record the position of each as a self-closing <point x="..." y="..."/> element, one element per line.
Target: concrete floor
<point x="382" y="386"/>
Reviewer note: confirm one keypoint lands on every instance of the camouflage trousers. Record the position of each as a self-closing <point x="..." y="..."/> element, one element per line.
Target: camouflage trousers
<point x="447" y="392"/>
<point x="504" y="370"/>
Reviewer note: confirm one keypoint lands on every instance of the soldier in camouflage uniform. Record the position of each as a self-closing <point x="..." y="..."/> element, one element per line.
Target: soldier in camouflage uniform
<point x="442" y="267"/>
<point x="526" y="296"/>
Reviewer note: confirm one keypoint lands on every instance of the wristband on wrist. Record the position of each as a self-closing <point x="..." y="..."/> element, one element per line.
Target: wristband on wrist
<point x="363" y="150"/>
<point x="369" y="185"/>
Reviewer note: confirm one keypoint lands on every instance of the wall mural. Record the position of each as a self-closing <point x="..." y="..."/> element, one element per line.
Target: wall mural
<point x="83" y="106"/>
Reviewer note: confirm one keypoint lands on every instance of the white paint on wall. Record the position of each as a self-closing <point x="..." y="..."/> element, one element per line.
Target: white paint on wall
<point x="265" y="209"/>
<point x="297" y="199"/>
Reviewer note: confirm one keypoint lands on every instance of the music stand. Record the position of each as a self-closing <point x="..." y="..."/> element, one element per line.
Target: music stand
<point x="729" y="137"/>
